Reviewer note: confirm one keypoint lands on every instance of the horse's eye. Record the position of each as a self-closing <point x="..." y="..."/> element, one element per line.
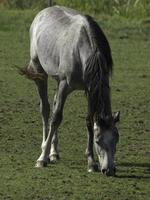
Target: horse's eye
<point x="115" y="134"/>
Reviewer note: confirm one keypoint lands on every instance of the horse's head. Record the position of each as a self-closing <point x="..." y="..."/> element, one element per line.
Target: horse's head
<point x="105" y="138"/>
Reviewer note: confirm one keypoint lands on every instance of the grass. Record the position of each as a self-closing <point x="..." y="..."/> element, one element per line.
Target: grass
<point x="20" y="122"/>
<point x="127" y="8"/>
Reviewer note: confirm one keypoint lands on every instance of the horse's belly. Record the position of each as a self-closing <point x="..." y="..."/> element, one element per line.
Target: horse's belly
<point x="49" y="66"/>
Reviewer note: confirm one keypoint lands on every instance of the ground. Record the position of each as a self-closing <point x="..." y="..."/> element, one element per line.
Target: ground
<point x="20" y="122"/>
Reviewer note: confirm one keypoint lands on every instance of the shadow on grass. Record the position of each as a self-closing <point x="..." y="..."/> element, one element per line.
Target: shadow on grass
<point x="128" y="164"/>
<point x="145" y="166"/>
<point x="132" y="176"/>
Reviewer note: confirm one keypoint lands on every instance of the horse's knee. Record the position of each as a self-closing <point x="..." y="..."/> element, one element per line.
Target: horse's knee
<point x="56" y="119"/>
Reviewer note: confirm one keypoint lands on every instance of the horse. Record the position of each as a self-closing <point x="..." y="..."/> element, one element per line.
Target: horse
<point x="72" y="49"/>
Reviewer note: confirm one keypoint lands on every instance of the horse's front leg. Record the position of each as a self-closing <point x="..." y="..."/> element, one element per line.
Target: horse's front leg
<point x="55" y="122"/>
<point x="92" y="166"/>
<point x="54" y="153"/>
<point x="89" y="150"/>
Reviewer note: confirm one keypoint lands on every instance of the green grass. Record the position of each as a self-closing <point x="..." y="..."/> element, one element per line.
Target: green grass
<point x="127" y="8"/>
<point x="20" y="122"/>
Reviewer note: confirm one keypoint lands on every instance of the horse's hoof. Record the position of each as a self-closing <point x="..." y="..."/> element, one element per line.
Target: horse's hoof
<point x="54" y="158"/>
<point x="90" y="170"/>
<point x="41" y="164"/>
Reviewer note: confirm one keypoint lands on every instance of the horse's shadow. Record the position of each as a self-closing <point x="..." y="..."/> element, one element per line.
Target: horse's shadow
<point x="144" y="166"/>
<point x="128" y="164"/>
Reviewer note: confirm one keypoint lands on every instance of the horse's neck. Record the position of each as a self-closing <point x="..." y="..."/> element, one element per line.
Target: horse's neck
<point x="105" y="107"/>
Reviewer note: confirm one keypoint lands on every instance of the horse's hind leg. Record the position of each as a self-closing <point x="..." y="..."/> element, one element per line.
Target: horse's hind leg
<point x="41" y="84"/>
<point x="63" y="91"/>
<point x="54" y="153"/>
<point x="44" y="106"/>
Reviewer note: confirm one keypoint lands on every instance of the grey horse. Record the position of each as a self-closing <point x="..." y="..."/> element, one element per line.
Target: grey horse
<point x="72" y="49"/>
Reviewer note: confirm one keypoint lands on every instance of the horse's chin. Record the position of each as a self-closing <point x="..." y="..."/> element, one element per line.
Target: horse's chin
<point x="104" y="166"/>
<point x="106" y="163"/>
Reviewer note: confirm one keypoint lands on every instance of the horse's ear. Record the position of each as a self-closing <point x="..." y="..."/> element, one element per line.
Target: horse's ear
<point x="116" y="117"/>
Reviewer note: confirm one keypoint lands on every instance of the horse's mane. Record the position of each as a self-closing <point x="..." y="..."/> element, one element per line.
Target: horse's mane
<point x="100" y="42"/>
<point x="98" y="65"/>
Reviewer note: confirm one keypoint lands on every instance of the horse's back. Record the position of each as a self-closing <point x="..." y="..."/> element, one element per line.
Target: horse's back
<point x="54" y="34"/>
<point x="63" y="40"/>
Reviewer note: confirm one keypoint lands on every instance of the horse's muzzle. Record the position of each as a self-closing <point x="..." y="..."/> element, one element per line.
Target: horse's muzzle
<point x="109" y="172"/>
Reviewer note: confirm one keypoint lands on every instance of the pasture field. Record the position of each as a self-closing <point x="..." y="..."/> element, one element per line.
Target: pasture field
<point x="21" y="128"/>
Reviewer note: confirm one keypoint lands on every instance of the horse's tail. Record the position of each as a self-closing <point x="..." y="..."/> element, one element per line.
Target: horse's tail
<point x="31" y="74"/>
